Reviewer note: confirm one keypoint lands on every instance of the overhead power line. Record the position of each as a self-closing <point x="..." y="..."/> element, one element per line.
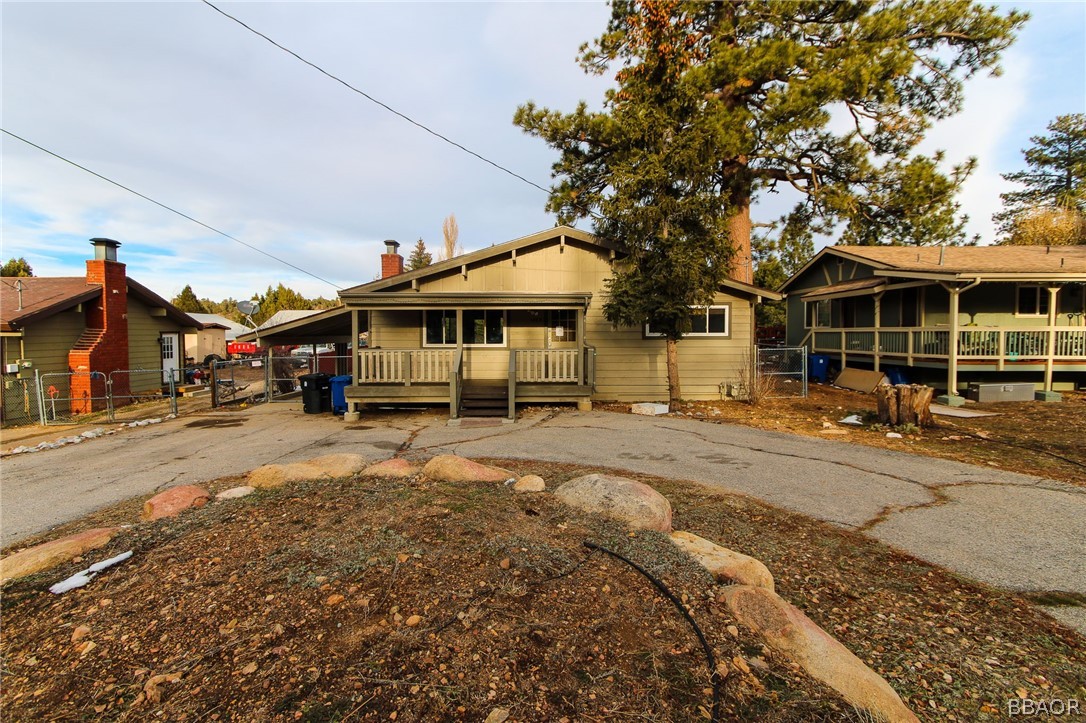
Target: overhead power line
<point x="370" y="98"/>
<point x="171" y="209"/>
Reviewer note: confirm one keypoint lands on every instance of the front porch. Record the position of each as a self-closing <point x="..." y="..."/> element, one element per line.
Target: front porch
<point x="437" y="376"/>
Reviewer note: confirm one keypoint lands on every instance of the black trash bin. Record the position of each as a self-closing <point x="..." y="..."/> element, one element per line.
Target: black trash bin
<point x="316" y="393"/>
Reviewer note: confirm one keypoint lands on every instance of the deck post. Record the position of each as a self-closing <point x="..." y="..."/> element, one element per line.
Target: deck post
<point x="355" y="351"/>
<point x="1048" y="395"/>
<point x="878" y="322"/>
<point x="580" y="346"/>
<point x="952" y="398"/>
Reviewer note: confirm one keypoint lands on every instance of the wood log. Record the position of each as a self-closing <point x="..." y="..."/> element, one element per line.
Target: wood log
<point x="922" y="405"/>
<point x="905" y="412"/>
<point x="886" y="401"/>
<point x="904" y="404"/>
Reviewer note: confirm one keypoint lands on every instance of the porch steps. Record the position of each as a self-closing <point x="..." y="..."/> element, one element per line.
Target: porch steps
<point x="484" y="398"/>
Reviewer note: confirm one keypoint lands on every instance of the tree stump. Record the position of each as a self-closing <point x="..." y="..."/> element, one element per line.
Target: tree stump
<point x="904" y="404"/>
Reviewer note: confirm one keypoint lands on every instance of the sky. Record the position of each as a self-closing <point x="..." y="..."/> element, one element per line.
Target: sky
<point x="181" y="104"/>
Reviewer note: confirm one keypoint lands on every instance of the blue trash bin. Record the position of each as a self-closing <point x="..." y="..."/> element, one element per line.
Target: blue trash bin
<point x="896" y="375"/>
<point x="818" y="367"/>
<point x="339" y="399"/>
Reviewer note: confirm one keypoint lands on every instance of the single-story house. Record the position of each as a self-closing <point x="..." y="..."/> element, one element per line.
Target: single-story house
<point x="947" y="314"/>
<point x="522" y="321"/>
<point x="104" y="323"/>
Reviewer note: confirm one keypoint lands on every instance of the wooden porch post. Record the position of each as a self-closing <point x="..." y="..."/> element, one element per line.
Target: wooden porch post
<point x="356" y="352"/>
<point x="952" y="345"/>
<point x="580" y="346"/>
<point x="1051" y="352"/>
<point x="878" y="322"/>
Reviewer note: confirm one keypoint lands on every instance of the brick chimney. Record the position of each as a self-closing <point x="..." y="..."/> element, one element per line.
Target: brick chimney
<point x="103" y="347"/>
<point x="391" y="261"/>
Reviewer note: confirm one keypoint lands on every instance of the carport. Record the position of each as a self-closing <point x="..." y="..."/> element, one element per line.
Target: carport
<point x="332" y="326"/>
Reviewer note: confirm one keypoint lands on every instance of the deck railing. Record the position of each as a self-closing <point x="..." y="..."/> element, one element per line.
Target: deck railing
<point x="404" y="366"/>
<point x="547" y="365"/>
<point x="973" y="343"/>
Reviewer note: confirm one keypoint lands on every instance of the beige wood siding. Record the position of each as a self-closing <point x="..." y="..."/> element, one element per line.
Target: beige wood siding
<point x="629" y="367"/>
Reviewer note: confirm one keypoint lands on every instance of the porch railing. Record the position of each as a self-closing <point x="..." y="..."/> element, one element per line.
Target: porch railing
<point x="404" y="366"/>
<point x="546" y="365"/>
<point x="976" y="343"/>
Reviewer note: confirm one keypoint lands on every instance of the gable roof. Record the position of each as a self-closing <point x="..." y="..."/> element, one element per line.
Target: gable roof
<point x="232" y="328"/>
<point x="558" y="233"/>
<point x="44" y="296"/>
<point x="993" y="263"/>
<point x="41" y="297"/>
<point x="474" y="257"/>
<point x="286" y="315"/>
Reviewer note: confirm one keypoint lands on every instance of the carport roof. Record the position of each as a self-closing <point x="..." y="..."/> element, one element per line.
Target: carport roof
<point x="331" y="326"/>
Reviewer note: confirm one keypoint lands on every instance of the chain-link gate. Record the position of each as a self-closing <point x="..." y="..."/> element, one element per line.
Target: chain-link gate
<point x="20" y="402"/>
<point x="70" y="397"/>
<point x="239" y="380"/>
<point x="141" y="393"/>
<point x="782" y="371"/>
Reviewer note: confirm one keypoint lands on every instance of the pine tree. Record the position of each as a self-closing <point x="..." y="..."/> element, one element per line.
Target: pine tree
<point x="420" y="257"/>
<point x="187" y="302"/>
<point x="16" y="267"/>
<point x="279" y="298"/>
<point x="1051" y="209"/>
<point x="716" y="103"/>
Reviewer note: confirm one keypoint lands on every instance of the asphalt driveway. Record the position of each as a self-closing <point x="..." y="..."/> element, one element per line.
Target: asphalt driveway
<point x="1006" y="529"/>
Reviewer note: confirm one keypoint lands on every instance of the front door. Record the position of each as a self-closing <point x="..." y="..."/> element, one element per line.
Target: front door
<point x="170" y="344"/>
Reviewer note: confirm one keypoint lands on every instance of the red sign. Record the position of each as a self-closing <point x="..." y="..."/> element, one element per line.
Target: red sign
<point x="241" y="347"/>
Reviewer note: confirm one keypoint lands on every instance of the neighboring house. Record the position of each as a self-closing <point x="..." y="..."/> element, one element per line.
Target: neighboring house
<point x="215" y="332"/>
<point x="947" y="314"/>
<point x="103" y="323"/>
<point x="523" y="321"/>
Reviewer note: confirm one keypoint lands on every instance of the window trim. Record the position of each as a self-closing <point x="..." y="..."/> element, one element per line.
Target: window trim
<point x="452" y="345"/>
<point x="726" y="334"/>
<point x="1038" y="289"/>
<point x="808" y="317"/>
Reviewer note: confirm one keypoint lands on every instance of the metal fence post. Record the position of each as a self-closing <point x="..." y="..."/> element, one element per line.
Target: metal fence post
<point x="110" y="415"/>
<point x="173" y="396"/>
<point x="268" y="375"/>
<point x="803" y="363"/>
<point x="41" y="398"/>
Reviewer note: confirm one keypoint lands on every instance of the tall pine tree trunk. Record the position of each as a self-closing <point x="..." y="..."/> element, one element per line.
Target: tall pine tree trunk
<point x="674" y="393"/>
<point x="739" y="226"/>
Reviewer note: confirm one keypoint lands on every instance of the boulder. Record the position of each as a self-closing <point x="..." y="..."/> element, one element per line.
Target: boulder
<point x="450" y="468"/>
<point x="722" y="563"/>
<point x="50" y="554"/>
<point x="530" y="483"/>
<point x="174" y="501"/>
<point x="339" y="465"/>
<point x="792" y="634"/>
<point x="396" y="467"/>
<point x="276" y="475"/>
<point x="235" y="492"/>
<point x="632" y="502"/>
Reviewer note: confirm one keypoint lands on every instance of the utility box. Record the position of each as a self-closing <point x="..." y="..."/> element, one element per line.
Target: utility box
<point x="1019" y="392"/>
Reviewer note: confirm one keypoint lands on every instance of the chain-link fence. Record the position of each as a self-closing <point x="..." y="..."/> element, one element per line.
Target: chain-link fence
<point x="20" y="402"/>
<point x="142" y="393"/>
<point x="782" y="371"/>
<point x="68" y="397"/>
<point x="284" y="372"/>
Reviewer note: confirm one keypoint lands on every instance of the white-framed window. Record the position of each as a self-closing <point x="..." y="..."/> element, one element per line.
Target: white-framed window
<point x="704" y="321"/>
<point x="1031" y="301"/>
<point x="816" y="314"/>
<point x="482" y="327"/>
